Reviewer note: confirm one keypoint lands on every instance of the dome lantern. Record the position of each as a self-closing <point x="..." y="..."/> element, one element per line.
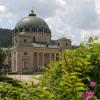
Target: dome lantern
<point x="32" y="13"/>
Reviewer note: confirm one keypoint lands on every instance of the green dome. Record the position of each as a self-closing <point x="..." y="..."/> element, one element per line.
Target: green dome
<point x="32" y="21"/>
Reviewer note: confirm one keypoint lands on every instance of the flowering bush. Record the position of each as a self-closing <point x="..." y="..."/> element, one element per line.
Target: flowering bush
<point x="89" y="93"/>
<point x="92" y="84"/>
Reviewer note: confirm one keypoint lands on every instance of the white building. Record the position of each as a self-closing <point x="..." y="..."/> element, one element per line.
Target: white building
<point x="32" y="45"/>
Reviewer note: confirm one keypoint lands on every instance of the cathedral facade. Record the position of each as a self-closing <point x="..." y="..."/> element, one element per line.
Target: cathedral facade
<point x="32" y="46"/>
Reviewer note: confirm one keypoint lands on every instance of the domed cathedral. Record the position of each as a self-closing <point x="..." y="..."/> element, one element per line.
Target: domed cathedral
<point x="32" y="45"/>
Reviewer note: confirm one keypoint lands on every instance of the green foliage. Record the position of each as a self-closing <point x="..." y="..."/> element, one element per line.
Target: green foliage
<point x="16" y="90"/>
<point x="62" y="80"/>
<point x="7" y="91"/>
<point x="2" y="57"/>
<point x="68" y="78"/>
<point x="62" y="83"/>
<point x="15" y="83"/>
<point x="5" y="37"/>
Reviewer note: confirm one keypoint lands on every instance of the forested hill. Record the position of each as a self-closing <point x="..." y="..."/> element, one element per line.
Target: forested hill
<point x="5" y="38"/>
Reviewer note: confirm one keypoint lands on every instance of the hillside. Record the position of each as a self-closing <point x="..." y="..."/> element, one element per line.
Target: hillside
<point x="5" y="37"/>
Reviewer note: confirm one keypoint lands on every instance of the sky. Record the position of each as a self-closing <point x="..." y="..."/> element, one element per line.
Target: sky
<point x="73" y="19"/>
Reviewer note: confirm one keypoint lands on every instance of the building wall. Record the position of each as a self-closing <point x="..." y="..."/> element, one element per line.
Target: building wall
<point x="64" y="43"/>
<point x="31" y="60"/>
<point x="32" y="37"/>
<point x="26" y="58"/>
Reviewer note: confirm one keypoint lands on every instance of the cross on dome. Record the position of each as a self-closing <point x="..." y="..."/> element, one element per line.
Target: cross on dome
<point x="32" y="13"/>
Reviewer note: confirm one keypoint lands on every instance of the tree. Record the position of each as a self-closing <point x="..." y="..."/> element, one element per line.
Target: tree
<point x="2" y="58"/>
<point x="68" y="78"/>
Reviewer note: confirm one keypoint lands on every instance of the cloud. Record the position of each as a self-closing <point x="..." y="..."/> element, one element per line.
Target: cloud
<point x="78" y="16"/>
<point x="82" y="14"/>
<point x="5" y="12"/>
<point x="6" y="17"/>
<point x="67" y="18"/>
<point x="58" y="26"/>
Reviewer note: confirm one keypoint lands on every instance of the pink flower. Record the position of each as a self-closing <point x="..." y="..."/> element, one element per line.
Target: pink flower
<point x="92" y="83"/>
<point x="90" y="93"/>
<point x="87" y="94"/>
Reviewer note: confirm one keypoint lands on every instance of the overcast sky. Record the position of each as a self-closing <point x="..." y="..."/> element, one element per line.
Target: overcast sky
<point x="73" y="19"/>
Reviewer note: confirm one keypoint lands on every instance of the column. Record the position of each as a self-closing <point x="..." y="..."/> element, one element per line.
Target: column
<point x="18" y="30"/>
<point x="23" y="29"/>
<point x="16" y="60"/>
<point x="50" y="57"/>
<point x="37" y="35"/>
<point x="33" y="62"/>
<point x="31" y="29"/>
<point x="57" y="56"/>
<point x="54" y="56"/>
<point x="43" y="58"/>
<point x="37" y="61"/>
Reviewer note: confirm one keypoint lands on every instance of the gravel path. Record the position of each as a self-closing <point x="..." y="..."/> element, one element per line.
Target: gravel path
<point x="26" y="78"/>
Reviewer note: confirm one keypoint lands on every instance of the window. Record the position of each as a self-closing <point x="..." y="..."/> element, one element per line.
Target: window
<point x="57" y="57"/>
<point x="20" y="29"/>
<point x="34" y="29"/>
<point x="40" y="29"/>
<point x="27" y="29"/>
<point x="25" y="53"/>
<point x="25" y="65"/>
<point x="16" y="40"/>
<point x="25" y="41"/>
<point x="58" y="44"/>
<point x="33" y="38"/>
<point x="46" y="45"/>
